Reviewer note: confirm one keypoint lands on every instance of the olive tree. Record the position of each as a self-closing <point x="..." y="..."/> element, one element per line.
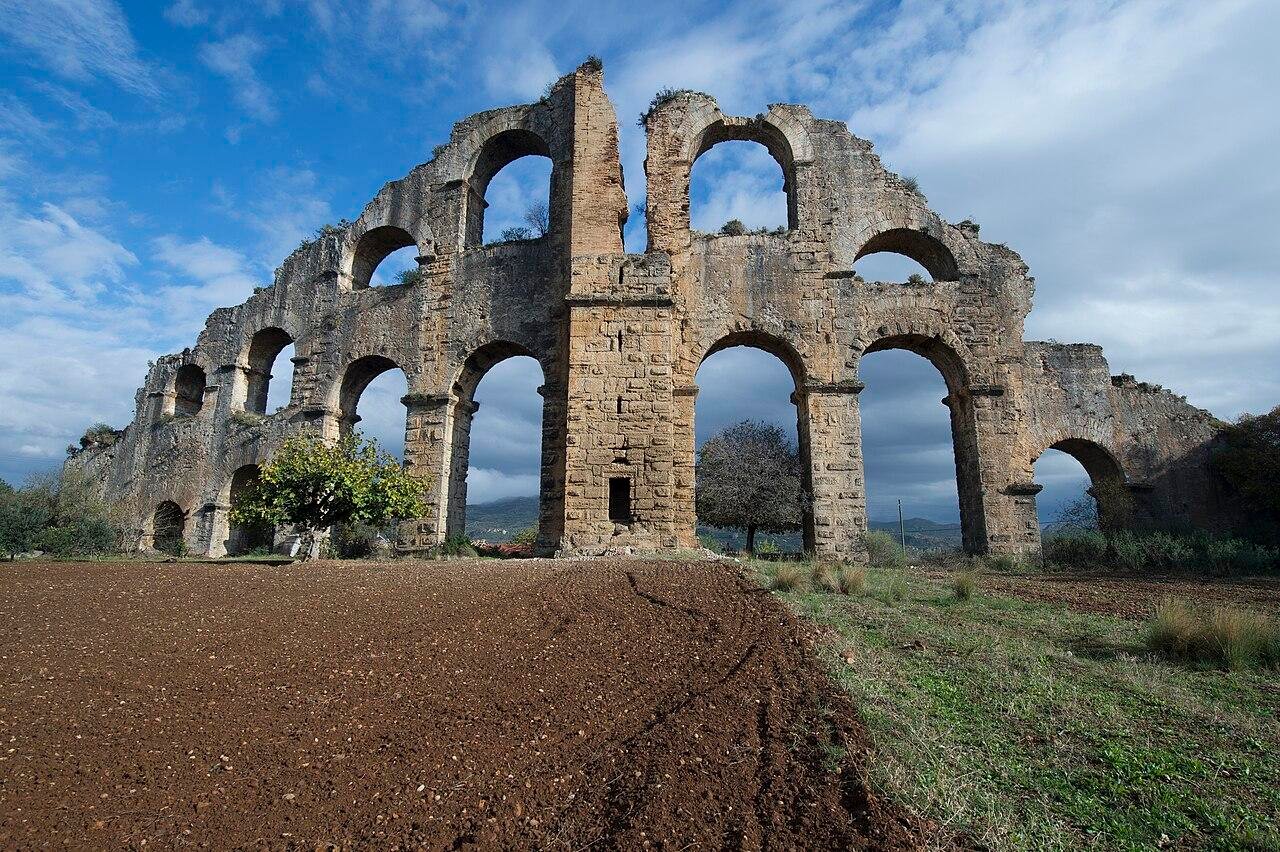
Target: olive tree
<point x="748" y="477"/>
<point x="314" y="485"/>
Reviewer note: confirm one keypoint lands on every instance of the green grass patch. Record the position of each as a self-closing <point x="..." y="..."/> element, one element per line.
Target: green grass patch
<point x="1024" y="725"/>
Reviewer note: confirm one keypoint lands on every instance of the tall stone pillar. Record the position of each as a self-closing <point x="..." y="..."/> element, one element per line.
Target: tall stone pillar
<point x="552" y="474"/>
<point x="459" y="459"/>
<point x="427" y="450"/>
<point x="997" y="499"/>
<point x="684" y="467"/>
<point x="830" y="431"/>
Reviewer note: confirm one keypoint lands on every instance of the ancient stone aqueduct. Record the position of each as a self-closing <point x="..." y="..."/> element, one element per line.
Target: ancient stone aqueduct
<point x="620" y="337"/>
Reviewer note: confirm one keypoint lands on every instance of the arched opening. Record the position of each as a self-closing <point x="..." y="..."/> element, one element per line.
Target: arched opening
<point x="168" y="526"/>
<point x="188" y="391"/>
<point x="916" y="450"/>
<point x="1082" y="487"/>
<point x="516" y="204"/>
<point x="243" y="539"/>
<point x="371" y="395"/>
<point x="384" y="255"/>
<point x="917" y="253"/>
<point x="738" y="187"/>
<point x="264" y="358"/>
<point x="496" y="461"/>
<point x="751" y="377"/>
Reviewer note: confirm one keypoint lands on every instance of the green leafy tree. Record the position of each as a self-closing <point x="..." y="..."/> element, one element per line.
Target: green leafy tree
<point x="1250" y="458"/>
<point x="23" y="518"/>
<point x="748" y="476"/>
<point x="313" y="486"/>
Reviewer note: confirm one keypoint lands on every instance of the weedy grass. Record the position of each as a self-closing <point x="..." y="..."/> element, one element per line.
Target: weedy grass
<point x="1223" y="636"/>
<point x="792" y="577"/>
<point x="964" y="584"/>
<point x="1024" y="725"/>
<point x="853" y="579"/>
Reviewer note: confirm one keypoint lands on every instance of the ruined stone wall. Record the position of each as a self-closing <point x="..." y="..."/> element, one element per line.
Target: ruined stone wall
<point x="620" y="338"/>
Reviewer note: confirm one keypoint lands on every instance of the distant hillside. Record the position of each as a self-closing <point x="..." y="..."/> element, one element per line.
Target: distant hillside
<point x="500" y="520"/>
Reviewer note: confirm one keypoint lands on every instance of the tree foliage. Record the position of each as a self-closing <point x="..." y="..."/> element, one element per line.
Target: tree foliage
<point x="1250" y="458"/>
<point x="748" y="476"/>
<point x="61" y="514"/>
<point x="314" y="485"/>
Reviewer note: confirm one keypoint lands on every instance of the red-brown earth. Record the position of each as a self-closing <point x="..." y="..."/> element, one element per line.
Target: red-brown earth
<point x="519" y="704"/>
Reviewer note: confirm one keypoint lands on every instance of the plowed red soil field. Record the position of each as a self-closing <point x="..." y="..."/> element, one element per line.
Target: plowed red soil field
<point x="520" y="704"/>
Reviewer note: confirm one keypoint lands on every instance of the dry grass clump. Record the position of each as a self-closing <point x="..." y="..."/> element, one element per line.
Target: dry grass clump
<point x="964" y="584"/>
<point x="791" y="577"/>
<point x="826" y="578"/>
<point x="853" y="579"/>
<point x="1228" y="637"/>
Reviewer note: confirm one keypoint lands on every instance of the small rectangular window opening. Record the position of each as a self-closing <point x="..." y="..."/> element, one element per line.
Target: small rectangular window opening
<point x="619" y="405"/>
<point x="619" y="340"/>
<point x="620" y="499"/>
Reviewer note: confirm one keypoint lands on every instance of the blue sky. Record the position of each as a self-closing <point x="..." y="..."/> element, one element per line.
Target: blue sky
<point x="159" y="159"/>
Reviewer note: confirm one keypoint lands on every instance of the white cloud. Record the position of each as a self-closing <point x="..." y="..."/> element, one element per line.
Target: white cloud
<point x="233" y="59"/>
<point x="186" y="13"/>
<point x="78" y="40"/>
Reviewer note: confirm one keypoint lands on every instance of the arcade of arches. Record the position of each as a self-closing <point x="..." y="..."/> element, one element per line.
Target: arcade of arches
<point x="620" y="336"/>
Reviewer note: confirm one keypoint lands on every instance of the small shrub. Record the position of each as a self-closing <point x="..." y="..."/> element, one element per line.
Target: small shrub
<point x="733" y="228"/>
<point x="964" y="584"/>
<point x="1228" y="637"/>
<point x="246" y="418"/>
<point x="791" y="577"/>
<point x="1128" y="550"/>
<point x="853" y="579"/>
<point x="410" y="277"/>
<point x="593" y="63"/>
<point x="528" y="535"/>
<point x="910" y="184"/>
<point x="883" y="551"/>
<point x="769" y="546"/>
<point x="662" y="98"/>
<point x="1084" y="549"/>
<point x="1166" y="550"/>
<point x="711" y="543"/>
<point x="79" y="537"/>
<point x="826" y="577"/>
<point x="354" y="540"/>
<point x="458" y="545"/>
<point x="916" y="278"/>
<point x="1005" y="563"/>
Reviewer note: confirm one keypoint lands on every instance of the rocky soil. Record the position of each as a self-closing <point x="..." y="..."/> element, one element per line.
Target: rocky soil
<point x="518" y="704"/>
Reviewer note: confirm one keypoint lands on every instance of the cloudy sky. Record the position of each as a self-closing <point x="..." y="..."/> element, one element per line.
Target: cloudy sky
<point x="159" y="159"/>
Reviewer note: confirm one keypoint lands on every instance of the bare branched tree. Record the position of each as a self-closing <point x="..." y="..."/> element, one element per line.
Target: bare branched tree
<point x="538" y="218"/>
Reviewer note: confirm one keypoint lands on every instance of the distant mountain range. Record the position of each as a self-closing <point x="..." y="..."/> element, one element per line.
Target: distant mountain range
<point x="498" y="521"/>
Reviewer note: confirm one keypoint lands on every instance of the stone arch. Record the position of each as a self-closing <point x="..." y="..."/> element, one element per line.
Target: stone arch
<point x="462" y="411"/>
<point x="939" y="349"/>
<point x="755" y="338"/>
<point x="355" y="378"/>
<point x="242" y="538"/>
<point x="918" y="245"/>
<point x="495" y="153"/>
<point x="371" y="247"/>
<point x="168" y="528"/>
<point x="188" y="390"/>
<point x="762" y="132"/>
<point x="259" y="357"/>
<point x="1108" y="483"/>
<point x="685" y="419"/>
